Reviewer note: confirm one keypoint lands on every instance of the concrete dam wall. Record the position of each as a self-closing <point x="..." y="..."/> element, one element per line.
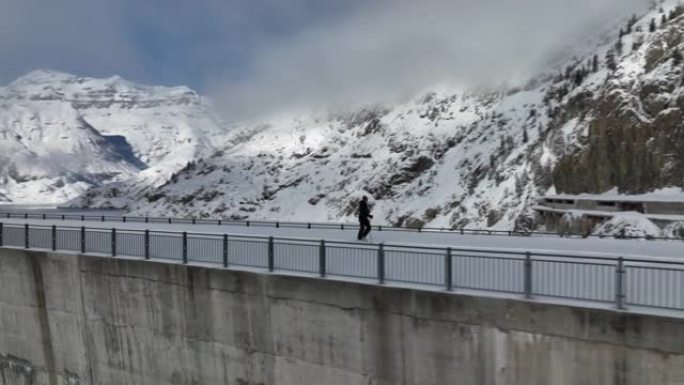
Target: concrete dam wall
<point x="73" y="320"/>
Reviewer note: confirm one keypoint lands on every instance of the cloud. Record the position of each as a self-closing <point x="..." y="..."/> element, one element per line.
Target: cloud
<point x="395" y="47"/>
<point x="256" y="57"/>
<point x="154" y="41"/>
<point x="74" y="35"/>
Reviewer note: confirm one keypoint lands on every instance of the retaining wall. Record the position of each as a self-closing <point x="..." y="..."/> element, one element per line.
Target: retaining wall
<point x="67" y="319"/>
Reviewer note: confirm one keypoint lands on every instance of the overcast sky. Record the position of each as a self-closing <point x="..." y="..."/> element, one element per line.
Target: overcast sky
<point x="270" y="54"/>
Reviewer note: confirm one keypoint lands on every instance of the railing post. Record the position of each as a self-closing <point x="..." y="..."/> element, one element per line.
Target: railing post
<point x="82" y="218"/>
<point x="185" y="248"/>
<point x="54" y="238"/>
<point x="147" y="244"/>
<point x="44" y="217"/>
<point x="147" y="220"/>
<point x="247" y="223"/>
<point x="1" y="244"/>
<point x="381" y="263"/>
<point x="26" y="236"/>
<point x="308" y="226"/>
<point x="528" y="275"/>
<point x="448" y="270"/>
<point x="102" y="219"/>
<point x="113" y="242"/>
<point x="321" y="259"/>
<point x="219" y="222"/>
<point x="169" y="220"/>
<point x="62" y="216"/>
<point x="124" y="219"/>
<point x="342" y="226"/>
<point x="83" y="240"/>
<point x="194" y="221"/>
<point x="26" y="216"/>
<point x="277" y="225"/>
<point x="271" y="254"/>
<point x="225" y="250"/>
<point x="620" y="284"/>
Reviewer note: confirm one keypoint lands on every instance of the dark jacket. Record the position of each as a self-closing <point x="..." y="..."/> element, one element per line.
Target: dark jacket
<point x="364" y="211"/>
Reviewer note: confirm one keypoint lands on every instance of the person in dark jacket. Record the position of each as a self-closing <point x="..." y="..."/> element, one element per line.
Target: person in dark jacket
<point x="364" y="222"/>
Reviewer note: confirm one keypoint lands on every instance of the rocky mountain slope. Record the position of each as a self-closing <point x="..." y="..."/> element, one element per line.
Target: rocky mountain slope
<point x="611" y="117"/>
<point x="61" y="134"/>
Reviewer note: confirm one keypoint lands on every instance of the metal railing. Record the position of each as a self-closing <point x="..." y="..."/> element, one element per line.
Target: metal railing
<point x="298" y="225"/>
<point x="623" y="282"/>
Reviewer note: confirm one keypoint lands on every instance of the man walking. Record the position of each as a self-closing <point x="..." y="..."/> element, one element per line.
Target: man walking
<point x="364" y="222"/>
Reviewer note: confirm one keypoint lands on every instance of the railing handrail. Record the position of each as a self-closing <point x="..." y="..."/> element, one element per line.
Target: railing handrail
<point x="309" y="225"/>
<point x="519" y="275"/>
<point x="495" y="252"/>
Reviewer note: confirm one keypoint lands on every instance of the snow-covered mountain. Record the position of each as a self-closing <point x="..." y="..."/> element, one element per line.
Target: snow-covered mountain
<point x="61" y="134"/>
<point x="608" y="118"/>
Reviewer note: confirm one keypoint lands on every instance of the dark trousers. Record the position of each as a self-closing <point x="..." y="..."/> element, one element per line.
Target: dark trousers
<point x="364" y="228"/>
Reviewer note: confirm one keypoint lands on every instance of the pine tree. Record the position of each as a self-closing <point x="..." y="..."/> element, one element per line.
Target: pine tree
<point x="663" y="21"/>
<point x="631" y="24"/>
<point x="618" y="47"/>
<point x="525" y="137"/>
<point x="568" y="72"/>
<point x="595" y="64"/>
<point x="610" y="60"/>
<point x="677" y="57"/>
<point x="652" y="27"/>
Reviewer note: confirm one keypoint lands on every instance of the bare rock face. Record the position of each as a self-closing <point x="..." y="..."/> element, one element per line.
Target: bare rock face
<point x="635" y="140"/>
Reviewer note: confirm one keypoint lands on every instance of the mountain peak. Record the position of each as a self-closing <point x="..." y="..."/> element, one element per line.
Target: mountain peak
<point x="44" y="76"/>
<point x="47" y="84"/>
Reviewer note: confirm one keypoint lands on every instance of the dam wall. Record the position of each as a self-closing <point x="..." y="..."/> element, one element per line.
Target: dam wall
<point x="69" y="319"/>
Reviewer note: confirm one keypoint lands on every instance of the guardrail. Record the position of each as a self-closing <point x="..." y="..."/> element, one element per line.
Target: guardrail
<point x="299" y="225"/>
<point x="623" y="282"/>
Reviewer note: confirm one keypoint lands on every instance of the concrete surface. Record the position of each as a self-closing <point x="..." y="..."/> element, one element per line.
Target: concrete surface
<point x="67" y="319"/>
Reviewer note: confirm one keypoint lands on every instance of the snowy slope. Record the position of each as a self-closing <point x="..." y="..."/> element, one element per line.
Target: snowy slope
<point x="62" y="134"/>
<point x="50" y="154"/>
<point x="427" y="157"/>
<point x="450" y="158"/>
